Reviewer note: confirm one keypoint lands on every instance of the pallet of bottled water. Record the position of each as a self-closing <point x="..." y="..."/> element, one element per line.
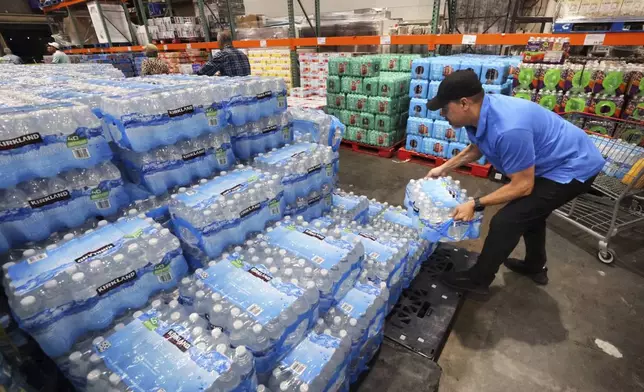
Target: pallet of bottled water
<point x="351" y="206"/>
<point x="36" y="208"/>
<point x="264" y="309"/>
<point x="308" y="171"/>
<point x="162" y="348"/>
<point x="261" y="136"/>
<point x="361" y="312"/>
<point x="317" y="363"/>
<point x="82" y="283"/>
<point x="216" y="214"/>
<point x="320" y="127"/>
<point x="395" y="222"/>
<point x="43" y="139"/>
<point x="431" y="202"/>
<point x="254" y="97"/>
<point x="180" y="164"/>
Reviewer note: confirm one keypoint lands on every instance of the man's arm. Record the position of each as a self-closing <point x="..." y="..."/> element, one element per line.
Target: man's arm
<point x="469" y="154"/>
<point x="211" y="67"/>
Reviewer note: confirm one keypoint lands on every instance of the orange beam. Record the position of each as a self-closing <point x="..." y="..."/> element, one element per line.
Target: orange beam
<point x="66" y="3"/>
<point x="576" y="39"/>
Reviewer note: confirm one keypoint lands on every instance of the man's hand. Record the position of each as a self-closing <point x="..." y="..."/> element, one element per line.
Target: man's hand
<point x="464" y="212"/>
<point x="436" y="172"/>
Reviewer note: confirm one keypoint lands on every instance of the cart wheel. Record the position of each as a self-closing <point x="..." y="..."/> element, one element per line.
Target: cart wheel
<point x="606" y="257"/>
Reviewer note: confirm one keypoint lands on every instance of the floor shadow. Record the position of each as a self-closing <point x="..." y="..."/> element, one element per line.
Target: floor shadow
<point x="518" y="310"/>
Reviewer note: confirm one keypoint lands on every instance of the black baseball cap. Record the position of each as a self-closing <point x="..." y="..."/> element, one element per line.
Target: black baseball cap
<point x="457" y="85"/>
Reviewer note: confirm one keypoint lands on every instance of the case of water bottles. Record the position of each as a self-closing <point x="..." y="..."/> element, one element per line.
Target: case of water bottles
<point x="324" y="129"/>
<point x="262" y="308"/>
<point x="262" y="135"/>
<point x="307" y="170"/>
<point x="44" y="139"/>
<point x="165" y="167"/>
<point x="182" y="353"/>
<point x="211" y="216"/>
<point x="351" y="206"/>
<point x="34" y="209"/>
<point x="81" y="284"/>
<point x="430" y="203"/>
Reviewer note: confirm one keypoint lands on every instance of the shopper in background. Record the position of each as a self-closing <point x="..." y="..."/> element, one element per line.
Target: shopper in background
<point x="549" y="161"/>
<point x="59" y="57"/>
<point x="10" y="58"/>
<point x="153" y="65"/>
<point x="228" y="61"/>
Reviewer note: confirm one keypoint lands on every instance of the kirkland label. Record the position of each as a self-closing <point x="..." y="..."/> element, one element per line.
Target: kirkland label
<point x="263" y="95"/>
<point x="249" y="210"/>
<point x="231" y="190"/>
<point x="269" y="129"/>
<point x="93" y="253"/>
<point x="194" y="154"/>
<point x="173" y="337"/>
<point x="315" y="168"/>
<point x="314" y="234"/>
<point x="368" y="236"/>
<point x="114" y="283"/>
<point x="181" y="111"/>
<point x="260" y="274"/>
<point x="50" y="199"/>
<point x="20" y="141"/>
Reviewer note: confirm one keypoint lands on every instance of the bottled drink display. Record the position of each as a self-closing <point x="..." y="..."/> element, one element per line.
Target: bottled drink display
<point x="308" y="173"/>
<point x="180" y="351"/>
<point x="34" y="209"/>
<point x="180" y="164"/>
<point x="221" y="212"/>
<point x="81" y="284"/>
<point x="430" y="203"/>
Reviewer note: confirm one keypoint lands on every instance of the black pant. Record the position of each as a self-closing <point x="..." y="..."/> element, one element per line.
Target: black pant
<point x="524" y="217"/>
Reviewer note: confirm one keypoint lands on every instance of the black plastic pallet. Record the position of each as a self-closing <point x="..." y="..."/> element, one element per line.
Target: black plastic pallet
<point x="423" y="317"/>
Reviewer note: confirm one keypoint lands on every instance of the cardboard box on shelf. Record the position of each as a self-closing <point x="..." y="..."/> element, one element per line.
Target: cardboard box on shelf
<point x="250" y="21"/>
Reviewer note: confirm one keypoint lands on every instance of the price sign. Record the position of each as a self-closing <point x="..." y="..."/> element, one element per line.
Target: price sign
<point x="321" y="40"/>
<point x="385" y="40"/>
<point x="594" y="39"/>
<point x="468" y="39"/>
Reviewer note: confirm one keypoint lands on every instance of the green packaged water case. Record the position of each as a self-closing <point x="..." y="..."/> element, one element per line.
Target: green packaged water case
<point x="351" y="133"/>
<point x="405" y="62"/>
<point x="370" y="86"/>
<point x="390" y="62"/>
<point x="367" y="120"/>
<point x="382" y="105"/>
<point x="351" y="85"/>
<point x="384" y="123"/>
<point x="363" y="66"/>
<point x="337" y="101"/>
<point x="339" y="65"/>
<point x="381" y="139"/>
<point x="357" y="102"/>
<point x="361" y="135"/>
<point x="333" y="84"/>
<point x="353" y="119"/>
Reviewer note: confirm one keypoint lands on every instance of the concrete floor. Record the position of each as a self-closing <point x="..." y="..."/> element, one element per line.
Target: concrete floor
<point x="525" y="337"/>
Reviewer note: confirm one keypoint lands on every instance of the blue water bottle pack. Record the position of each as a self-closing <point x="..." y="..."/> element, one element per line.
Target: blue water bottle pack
<point x="351" y="206"/>
<point x="263" y="135"/>
<point x="82" y="283"/>
<point x="321" y="127"/>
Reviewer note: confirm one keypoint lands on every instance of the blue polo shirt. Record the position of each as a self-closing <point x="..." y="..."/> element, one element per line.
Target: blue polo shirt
<point x="515" y="134"/>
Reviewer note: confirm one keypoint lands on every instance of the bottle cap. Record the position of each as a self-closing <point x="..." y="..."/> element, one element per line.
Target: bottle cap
<point x="175" y="316"/>
<point x="51" y="284"/>
<point x="196" y="331"/>
<point x="78" y="277"/>
<point x="194" y="317"/>
<point x="235" y="312"/>
<point x="93" y="376"/>
<point x="94" y="359"/>
<point x="238" y="324"/>
<point x="284" y="386"/>
<point x="216" y="333"/>
<point x="239" y="351"/>
<point x="221" y="348"/>
<point x="343" y="333"/>
<point x="327" y="331"/>
<point x="114" y="379"/>
<point x="119" y="257"/>
<point x="257" y="328"/>
<point x="353" y="322"/>
<point x="102" y="223"/>
<point x="153" y="242"/>
<point x="137" y="314"/>
<point x="51" y="247"/>
<point x="75" y="356"/>
<point x="132" y="247"/>
<point x="165" y="232"/>
<point x="119" y="326"/>
<point x="215" y="297"/>
<point x="28" y="253"/>
<point x="200" y="294"/>
<point x="304" y="388"/>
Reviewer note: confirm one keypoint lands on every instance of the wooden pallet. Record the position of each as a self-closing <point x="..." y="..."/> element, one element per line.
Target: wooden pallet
<point x="384" y="152"/>
<point x="473" y="169"/>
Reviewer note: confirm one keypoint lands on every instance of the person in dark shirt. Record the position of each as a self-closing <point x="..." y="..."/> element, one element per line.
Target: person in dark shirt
<point x="228" y="61"/>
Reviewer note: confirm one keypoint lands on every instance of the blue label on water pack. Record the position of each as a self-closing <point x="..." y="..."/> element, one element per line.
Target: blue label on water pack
<point x="206" y="194"/>
<point x="394" y="216"/>
<point x="286" y="153"/>
<point x="152" y="355"/>
<point x="251" y="288"/>
<point x="310" y="356"/>
<point x="345" y="202"/>
<point x="34" y="271"/>
<point x="375" y="209"/>
<point x="372" y="248"/>
<point x="308" y="244"/>
<point x="356" y="302"/>
<point x="439" y="192"/>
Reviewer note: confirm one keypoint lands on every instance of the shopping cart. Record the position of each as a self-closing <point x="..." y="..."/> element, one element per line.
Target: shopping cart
<point x="617" y="202"/>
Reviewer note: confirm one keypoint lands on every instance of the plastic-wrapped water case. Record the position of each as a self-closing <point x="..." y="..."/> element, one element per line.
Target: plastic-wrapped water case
<point x="223" y="211"/>
<point x="81" y="284"/>
<point x="350" y="205"/>
<point x="333" y="84"/>
<point x="336" y="101"/>
<point x="443" y="66"/>
<point x="260" y="136"/>
<point x="306" y="170"/>
<point x="334" y="261"/>
<point x="351" y="85"/>
<point x="179" y="352"/>
<point x="420" y="126"/>
<point x="418" y="108"/>
<point x="418" y="89"/>
<point x="259" y="307"/>
<point x="339" y="66"/>
<point x="356" y="102"/>
<point x="381" y="105"/>
<point x="34" y="209"/>
<point x="323" y="129"/>
<point x="361" y="312"/>
<point x="318" y="363"/>
<point x="370" y="86"/>
<point x="181" y="164"/>
<point x="494" y="72"/>
<point x="430" y="202"/>
<point x="420" y="68"/>
<point x="406" y="61"/>
<point x="414" y="143"/>
<point x="44" y="140"/>
<point x="144" y="120"/>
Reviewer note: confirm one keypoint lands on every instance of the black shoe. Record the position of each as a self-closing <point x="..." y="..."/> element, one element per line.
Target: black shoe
<point x="461" y="281"/>
<point x="518" y="266"/>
